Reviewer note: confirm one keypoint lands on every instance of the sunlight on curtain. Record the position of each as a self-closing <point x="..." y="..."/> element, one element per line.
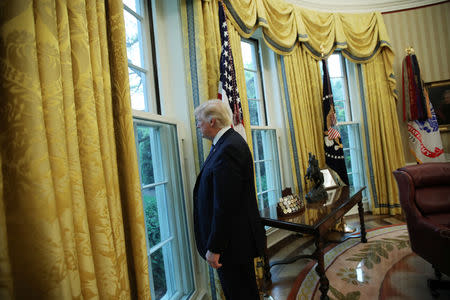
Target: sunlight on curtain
<point x="70" y="175"/>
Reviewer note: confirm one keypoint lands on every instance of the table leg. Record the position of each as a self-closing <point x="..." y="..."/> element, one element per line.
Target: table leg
<point x="361" y="222"/>
<point x="267" y="277"/>
<point x="320" y="269"/>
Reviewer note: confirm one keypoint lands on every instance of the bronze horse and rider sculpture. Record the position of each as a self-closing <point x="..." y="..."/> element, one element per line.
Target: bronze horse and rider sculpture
<point x="313" y="174"/>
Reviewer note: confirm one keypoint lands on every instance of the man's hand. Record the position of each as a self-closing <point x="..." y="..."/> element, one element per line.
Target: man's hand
<point x="213" y="259"/>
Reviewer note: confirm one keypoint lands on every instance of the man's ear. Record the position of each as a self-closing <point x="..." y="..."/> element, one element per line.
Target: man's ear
<point x="212" y="122"/>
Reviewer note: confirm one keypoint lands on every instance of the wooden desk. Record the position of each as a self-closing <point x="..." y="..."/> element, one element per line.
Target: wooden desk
<point x="317" y="219"/>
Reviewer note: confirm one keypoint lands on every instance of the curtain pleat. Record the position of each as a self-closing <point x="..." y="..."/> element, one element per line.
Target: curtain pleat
<point x="71" y="188"/>
<point x="304" y="88"/>
<point x="384" y="137"/>
<point x="284" y="24"/>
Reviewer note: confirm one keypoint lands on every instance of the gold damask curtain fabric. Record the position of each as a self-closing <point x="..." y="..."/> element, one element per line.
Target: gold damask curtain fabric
<point x="360" y="36"/>
<point x="72" y="224"/>
<point x="385" y="141"/>
<point x="304" y="88"/>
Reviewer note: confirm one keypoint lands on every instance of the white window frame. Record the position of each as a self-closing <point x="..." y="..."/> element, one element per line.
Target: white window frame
<point x="347" y="101"/>
<point x="272" y="156"/>
<point x="259" y="82"/>
<point x="350" y="81"/>
<point x="179" y="265"/>
<point x="151" y="101"/>
<point x="169" y="187"/>
<point x="272" y="161"/>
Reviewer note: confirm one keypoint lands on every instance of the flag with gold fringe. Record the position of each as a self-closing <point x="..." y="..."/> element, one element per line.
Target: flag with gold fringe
<point x="228" y="90"/>
<point x="334" y="150"/>
<point x="423" y="129"/>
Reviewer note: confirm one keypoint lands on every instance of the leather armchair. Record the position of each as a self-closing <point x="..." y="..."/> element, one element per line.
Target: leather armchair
<point x="425" y="199"/>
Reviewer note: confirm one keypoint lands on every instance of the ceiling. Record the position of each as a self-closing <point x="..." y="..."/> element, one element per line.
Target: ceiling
<point x="359" y="6"/>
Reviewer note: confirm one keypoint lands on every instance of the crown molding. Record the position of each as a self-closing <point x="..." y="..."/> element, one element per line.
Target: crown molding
<point x="361" y="6"/>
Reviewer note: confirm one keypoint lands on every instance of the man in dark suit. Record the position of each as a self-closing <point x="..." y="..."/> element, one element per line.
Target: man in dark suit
<point x="228" y="230"/>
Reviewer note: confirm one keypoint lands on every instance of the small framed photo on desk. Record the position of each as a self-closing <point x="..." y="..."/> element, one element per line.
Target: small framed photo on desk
<point x="328" y="180"/>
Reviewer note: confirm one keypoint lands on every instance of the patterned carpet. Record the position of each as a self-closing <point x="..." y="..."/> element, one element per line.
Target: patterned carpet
<point x="383" y="268"/>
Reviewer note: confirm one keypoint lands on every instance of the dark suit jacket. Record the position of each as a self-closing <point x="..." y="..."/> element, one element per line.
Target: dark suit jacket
<point x="226" y="216"/>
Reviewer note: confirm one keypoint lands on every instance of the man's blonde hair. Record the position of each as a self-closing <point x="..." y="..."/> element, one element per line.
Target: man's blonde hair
<point x="214" y="109"/>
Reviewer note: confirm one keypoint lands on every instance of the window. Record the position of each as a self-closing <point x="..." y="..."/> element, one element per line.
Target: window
<point x="267" y="171"/>
<point x="138" y="33"/>
<point x="168" y="248"/>
<point x="347" y="118"/>
<point x="253" y="82"/>
<point x="265" y="149"/>
<point x="165" y="219"/>
<point x="339" y="87"/>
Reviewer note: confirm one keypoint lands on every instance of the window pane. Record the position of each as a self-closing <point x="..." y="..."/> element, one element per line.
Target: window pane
<point x="151" y="216"/>
<point x="137" y="89"/>
<point x="133" y="4"/>
<point x="258" y="145"/>
<point x="156" y="218"/>
<point x="253" y="106"/>
<point x="133" y="39"/>
<point x="262" y="168"/>
<point x="145" y="155"/>
<point x="343" y="130"/>
<point x="263" y="200"/>
<point x="253" y="82"/>
<point x="339" y="107"/>
<point x="348" y="160"/>
<point x="248" y="55"/>
<point x="250" y="82"/>
<point x="267" y="169"/>
<point x="334" y="66"/>
<point x="159" y="274"/>
<point x="258" y="177"/>
<point x="350" y="180"/>
<point x="337" y="87"/>
<point x="164" y="211"/>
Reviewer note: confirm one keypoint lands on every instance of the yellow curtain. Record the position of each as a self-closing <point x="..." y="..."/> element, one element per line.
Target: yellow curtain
<point x="360" y="36"/>
<point x="384" y="136"/>
<point x="304" y="91"/>
<point x="71" y="214"/>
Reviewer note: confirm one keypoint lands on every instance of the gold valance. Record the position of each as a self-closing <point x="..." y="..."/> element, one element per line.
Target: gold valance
<point x="359" y="36"/>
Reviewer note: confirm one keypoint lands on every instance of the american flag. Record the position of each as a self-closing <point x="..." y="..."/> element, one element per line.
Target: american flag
<point x="228" y="90"/>
<point x="333" y="133"/>
<point x="334" y="151"/>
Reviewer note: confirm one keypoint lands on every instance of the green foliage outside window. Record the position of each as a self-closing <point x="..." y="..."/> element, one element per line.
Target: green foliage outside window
<point x="145" y="153"/>
<point x="151" y="210"/>
<point x="154" y="236"/>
